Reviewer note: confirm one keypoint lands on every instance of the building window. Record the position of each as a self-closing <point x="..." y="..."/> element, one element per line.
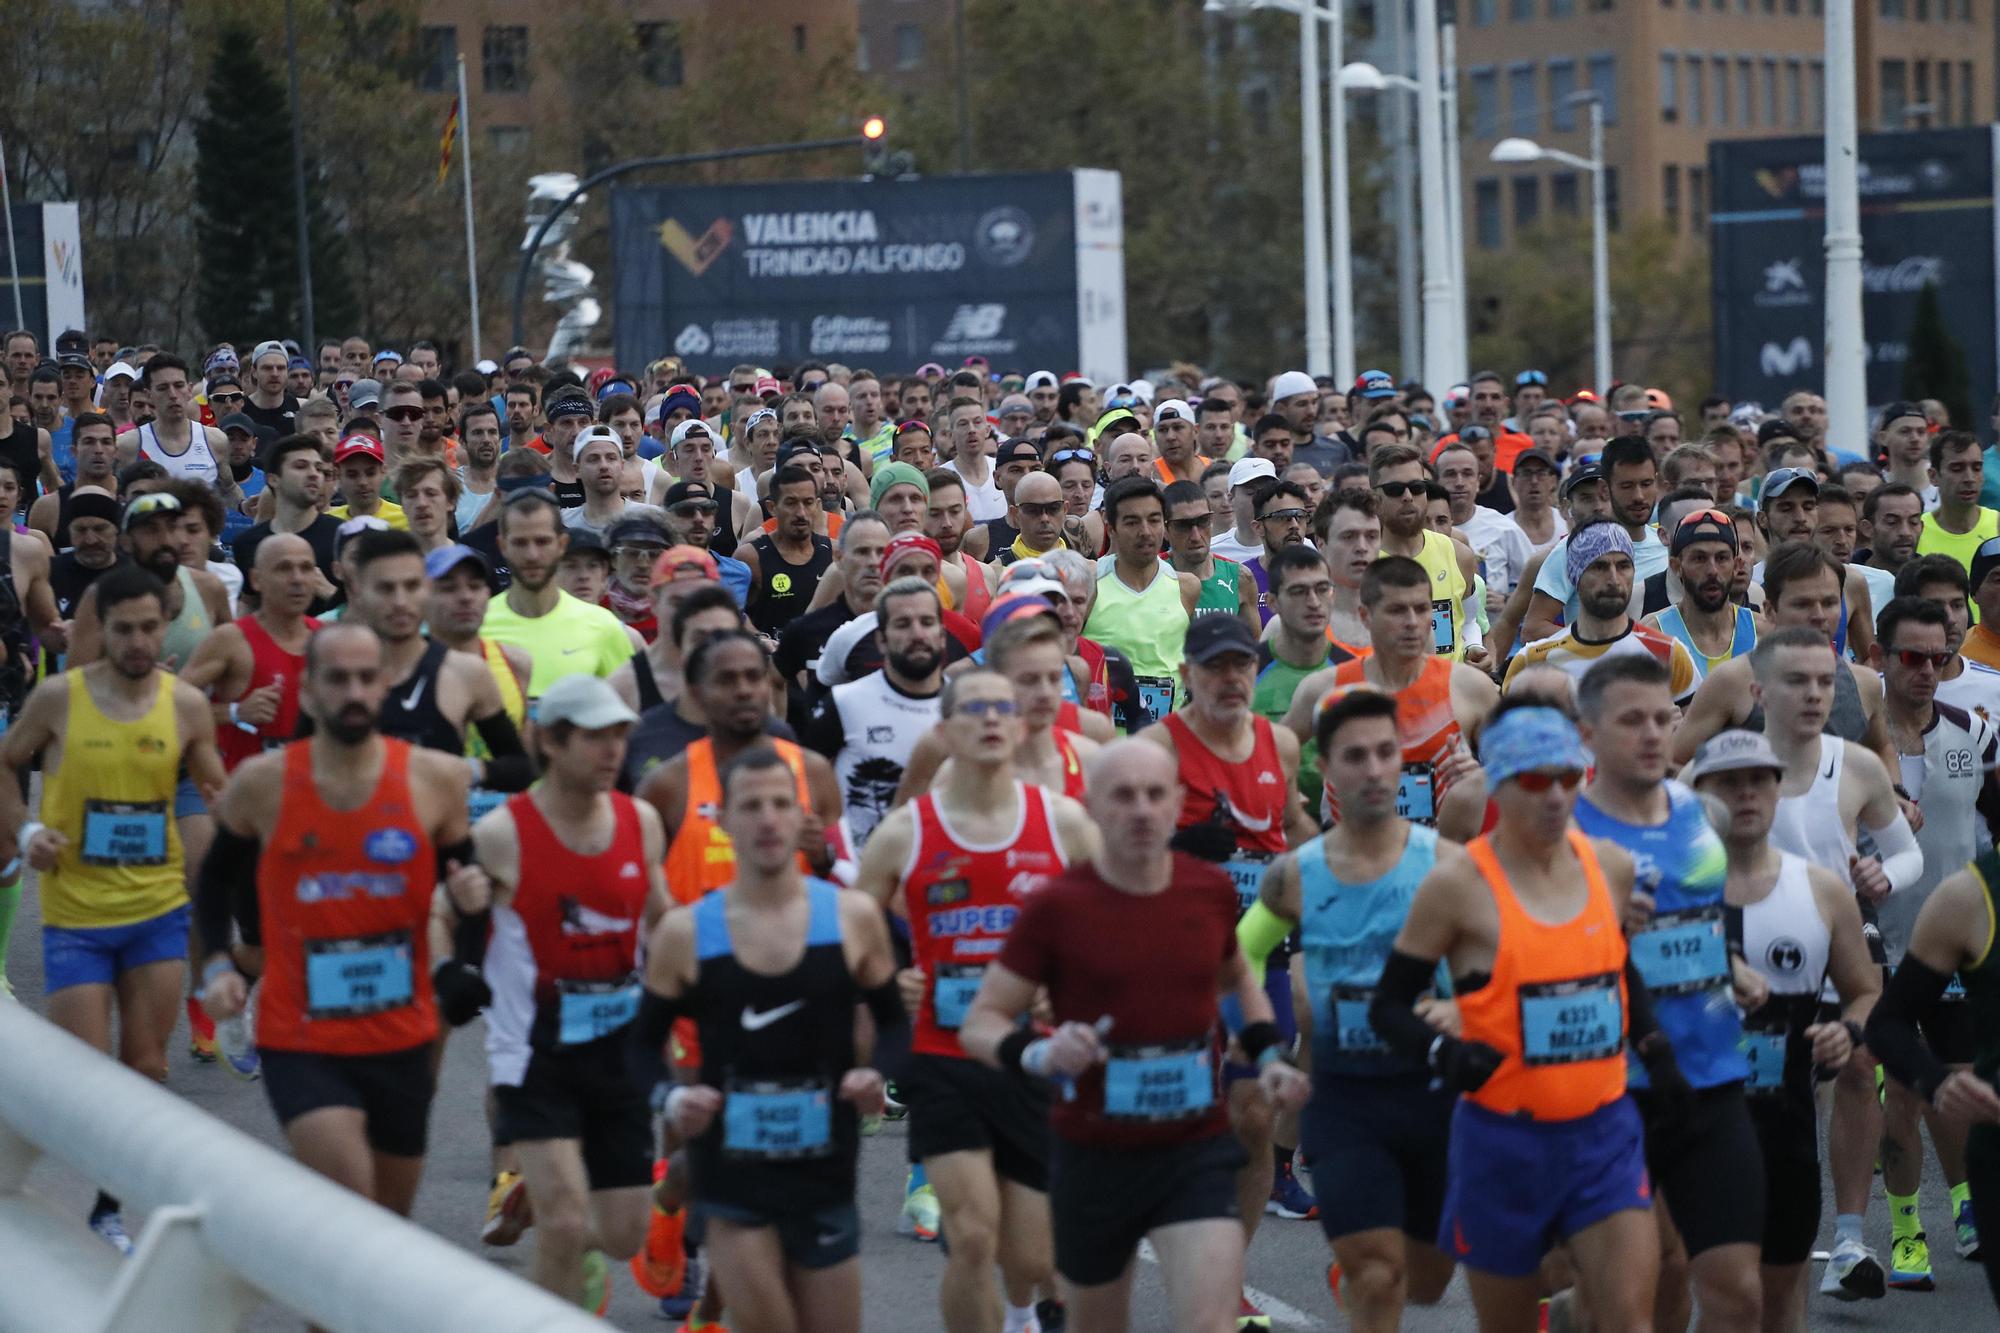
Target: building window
<point x="1483" y="13"/>
<point x="1364" y="20"/>
<point x="1746" y="96"/>
<point x="1697" y="199"/>
<point x="1965" y="92"/>
<point x="1946" y="107"/>
<point x="1563" y="196"/>
<point x="1604" y="82"/>
<point x="660" y="53"/>
<point x="1920" y="95"/>
<point x="1816" y="92"/>
<point x="909" y="45"/>
<point x="1795" y="95"/>
<point x="1923" y="11"/>
<point x="1670" y="83"/>
<point x="1486" y="213"/>
<point x="798" y="37"/>
<point x="1561" y="9"/>
<point x="1527" y="201"/>
<point x="1697" y="90"/>
<point x="1892" y="9"/>
<point x="1522" y="113"/>
<point x="1895" y="93"/>
<point x="1771" y="92"/>
<point x="437" y="47"/>
<point x="1520" y="11"/>
<point x="861" y="50"/>
<point x="1721" y="93"/>
<point x="1670" y="196"/>
<point x="508" y="138"/>
<point x="1562" y="83"/>
<point x="1485" y="104"/>
<point x="1601" y="6"/>
<point x="1791" y="6"/>
<point x="504" y="59"/>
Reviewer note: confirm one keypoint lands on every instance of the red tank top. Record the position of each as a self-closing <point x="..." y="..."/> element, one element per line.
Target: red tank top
<point x="977" y="595"/>
<point x="961" y="901"/>
<point x="345" y="896"/>
<point x="1249" y="796"/>
<point x="1072" y="766"/>
<point x="1097" y="694"/>
<point x="268" y="662"/>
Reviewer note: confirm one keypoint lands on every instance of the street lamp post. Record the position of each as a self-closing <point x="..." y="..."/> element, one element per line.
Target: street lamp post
<point x="1527" y="150"/>
<point x="1846" y="344"/>
<point x="1444" y="360"/>
<point x="1454" y="212"/>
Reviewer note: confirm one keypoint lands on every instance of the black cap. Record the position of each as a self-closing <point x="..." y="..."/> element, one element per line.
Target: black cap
<point x="686" y="490"/>
<point x="638" y="530"/>
<point x="72" y="340"/>
<point x="1773" y="429"/>
<point x="585" y="541"/>
<point x="237" y="421"/>
<point x="1473" y="431"/>
<point x="1897" y="411"/>
<point x="1214" y="633"/>
<point x="1578" y="476"/>
<point x="1537" y="455"/>
<point x="791" y="449"/>
<point x="74" y="361"/>
<point x="1016" y="451"/>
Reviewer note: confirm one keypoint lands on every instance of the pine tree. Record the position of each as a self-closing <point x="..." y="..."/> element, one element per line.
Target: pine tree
<point x="1935" y="367"/>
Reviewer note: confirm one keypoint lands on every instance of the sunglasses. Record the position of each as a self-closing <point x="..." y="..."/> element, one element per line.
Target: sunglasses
<point x="686" y="507"/>
<point x="343" y="384"/>
<point x="1396" y="490"/>
<point x="1914" y="658"/>
<point x="1541" y="782"/>
<point x="225" y="398"/>
<point x="404" y="413"/>
<point x="1065" y="455"/>
<point x="1046" y="509"/>
<point x="986" y="707"/>
<point x="1294" y="514"/>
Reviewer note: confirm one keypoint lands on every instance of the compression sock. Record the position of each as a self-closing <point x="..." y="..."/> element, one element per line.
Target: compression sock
<point x="10" y="903"/>
<point x="1846" y="1227"/>
<point x="1903" y="1217"/>
<point x="1961" y="1195"/>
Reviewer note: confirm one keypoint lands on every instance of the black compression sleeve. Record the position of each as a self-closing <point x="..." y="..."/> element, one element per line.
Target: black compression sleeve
<point x="648" y="1038"/>
<point x="1892" y="1027"/>
<point x="1403" y="979"/>
<point x="511" y="767"/>
<point x="500" y="734"/>
<point x="469" y="936"/>
<point x="1639" y="1021"/>
<point x="892" y="1028"/>
<point x="460" y="851"/>
<point x="231" y="861"/>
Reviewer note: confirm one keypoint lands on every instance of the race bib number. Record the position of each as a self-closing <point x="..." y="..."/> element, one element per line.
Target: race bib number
<point x="1156" y="696"/>
<point x="952" y="992"/>
<point x="1416" y="794"/>
<point x="124" y="833"/>
<point x="589" y="1010"/>
<point x="1158" y="1082"/>
<point x="1353" y="1033"/>
<point x="354" y="977"/>
<point x="775" y="1119"/>
<point x="1681" y="953"/>
<point x="1564" y="1022"/>
<point x="1444" y="634"/>
<point x="1247" y="874"/>
<point x="1765" y="1052"/>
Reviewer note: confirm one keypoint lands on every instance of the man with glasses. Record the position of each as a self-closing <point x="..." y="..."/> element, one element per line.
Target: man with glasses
<point x="1012" y="461"/>
<point x="1037" y="514"/>
<point x="1249" y="478"/>
<point x="1225" y="586"/>
<point x="1400" y="482"/>
<point x="174" y="439"/>
<point x="1016" y="415"/>
<point x="691" y="511"/>
<point x="401" y="419"/>
<point x="1284" y="516"/>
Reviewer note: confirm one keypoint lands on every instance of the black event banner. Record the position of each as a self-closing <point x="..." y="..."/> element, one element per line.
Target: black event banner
<point x="1926" y="221"/>
<point x="884" y="273"/>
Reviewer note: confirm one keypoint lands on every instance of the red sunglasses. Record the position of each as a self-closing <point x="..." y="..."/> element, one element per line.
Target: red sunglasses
<point x="1541" y="782"/>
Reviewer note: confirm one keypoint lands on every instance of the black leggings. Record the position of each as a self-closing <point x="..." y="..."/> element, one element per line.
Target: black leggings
<point x="1982" y="1170"/>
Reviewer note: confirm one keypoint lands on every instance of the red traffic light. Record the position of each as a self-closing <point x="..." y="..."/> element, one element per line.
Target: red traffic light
<point x="874" y="127"/>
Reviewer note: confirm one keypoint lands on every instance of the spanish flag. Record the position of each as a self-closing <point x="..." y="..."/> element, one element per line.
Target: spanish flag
<point x="446" y="141"/>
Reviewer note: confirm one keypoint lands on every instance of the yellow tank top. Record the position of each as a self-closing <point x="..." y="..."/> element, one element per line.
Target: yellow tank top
<point x="1448" y="591"/>
<point x="112" y="796"/>
<point x="511" y="698"/>
<point x="1960" y="546"/>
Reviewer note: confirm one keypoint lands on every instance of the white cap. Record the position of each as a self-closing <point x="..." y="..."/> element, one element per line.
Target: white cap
<point x="832" y="669"/>
<point x="584" y="701"/>
<point x="1143" y="390"/>
<point x="120" y="368"/>
<point x="266" y="348"/>
<point x="687" y="428"/>
<point x="1172" y="409"/>
<point x="1040" y="379"/>
<point x="1291" y="384"/>
<point x="487" y="367"/>
<point x="1249" y="469"/>
<point x="590" y="435"/>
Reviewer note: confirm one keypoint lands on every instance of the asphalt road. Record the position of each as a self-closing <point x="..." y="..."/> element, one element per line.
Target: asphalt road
<point x="1287" y="1262"/>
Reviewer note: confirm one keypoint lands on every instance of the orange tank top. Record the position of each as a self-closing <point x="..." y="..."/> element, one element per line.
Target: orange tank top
<point x="345" y="896"/>
<point x="1555" y="1006"/>
<point x="1429" y="731"/>
<point x="701" y="857"/>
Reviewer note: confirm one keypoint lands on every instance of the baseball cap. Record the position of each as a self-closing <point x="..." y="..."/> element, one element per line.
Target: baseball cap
<point x="1213" y="633"/>
<point x="1784" y="479"/>
<point x="930" y="370"/>
<point x="1770" y="430"/>
<point x="1375" y="384"/>
<point x="1733" y="750"/>
<point x="1542" y="456"/>
<point x="636" y="530"/>
<point x="1172" y="409"/>
<point x="1016" y="451"/>
<point x="767" y="385"/>
<point x="1013" y="606"/>
<point x="583" y="701"/>
<point x="74" y="361"/>
<point x="487" y="367"/>
<point x="1897" y="411"/>
<point x="590" y="435"/>
<point x="269" y="347"/>
<point x="1471" y="431"/>
<point x="146" y="506"/>
<point x="676" y="561"/>
<point x="792" y="449"/>
<point x="298" y="363"/>
<point x="586" y="541"/>
<point x="354" y="527"/>
<point x="356" y="446"/>
<point x="120" y="369"/>
<point x="72" y="340"/>
<point x="365" y="393"/>
<point x="691" y="426"/>
<point x="1577" y="477"/>
<point x="1527" y="377"/>
<point x="1040" y="379"/>
<point x="1291" y="384"/>
<point x="1249" y="469"/>
<point x="237" y="421"/>
<point x="682" y="491"/>
<point x="1702" y="525"/>
<point x="393" y="357"/>
<point x="444" y="559"/>
<point x="1985" y="560"/>
<point x="1658" y="400"/>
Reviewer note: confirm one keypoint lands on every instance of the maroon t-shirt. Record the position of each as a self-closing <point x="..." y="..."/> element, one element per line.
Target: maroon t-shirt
<point x="1151" y="963"/>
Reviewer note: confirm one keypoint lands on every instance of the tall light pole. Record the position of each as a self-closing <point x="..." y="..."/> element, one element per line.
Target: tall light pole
<point x="1444" y="358"/>
<point x="1527" y="150"/>
<point x="1341" y="253"/>
<point x="1845" y="351"/>
<point x="1454" y="213"/>
<point x="1403" y="185"/>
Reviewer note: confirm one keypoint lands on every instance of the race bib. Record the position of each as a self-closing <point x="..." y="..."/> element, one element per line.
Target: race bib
<point x="588" y="1010"/>
<point x="1444" y="636"/>
<point x="1563" y="1022"/>
<point x="354" y="977"/>
<point x="1246" y="872"/>
<point x="952" y="992"/>
<point x="1680" y="953"/>
<point x="1158" y="1082"/>
<point x="1765" y="1052"/>
<point x="124" y="833"/>
<point x="777" y="1118"/>
<point x="1353" y="1033"/>
<point x="1416" y="794"/>
<point x="1156" y="695"/>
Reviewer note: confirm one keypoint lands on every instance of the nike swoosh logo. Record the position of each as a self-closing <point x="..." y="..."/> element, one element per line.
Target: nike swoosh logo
<point x="754" y="1021"/>
<point x="416" y="695"/>
<point x="1250" y="825"/>
<point x="567" y="651"/>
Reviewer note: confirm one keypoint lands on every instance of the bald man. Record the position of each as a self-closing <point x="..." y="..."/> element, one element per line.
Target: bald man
<point x="250" y="667"/>
<point x="1037" y="514"/>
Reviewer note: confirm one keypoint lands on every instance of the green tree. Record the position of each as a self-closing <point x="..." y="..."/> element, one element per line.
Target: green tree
<point x="1935" y="366"/>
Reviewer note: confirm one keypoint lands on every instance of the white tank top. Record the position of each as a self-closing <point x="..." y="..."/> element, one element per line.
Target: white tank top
<point x="196" y="461"/>
<point x="1809" y="824"/>
<point x="1784" y="935"/>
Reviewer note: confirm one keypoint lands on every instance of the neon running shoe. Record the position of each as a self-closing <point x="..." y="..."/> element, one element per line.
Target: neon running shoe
<point x="919" y="1217"/>
<point x="596" y="1282"/>
<point x="508" y="1212"/>
<point x="1910" y="1264"/>
<point x="1853" y="1273"/>
<point x="694" y="1325"/>
<point x="201" y="1032"/>
<point x="1249" y="1316"/>
<point x="1968" y="1232"/>
<point x="1290" y="1199"/>
<point x="891" y="1108"/>
<point x="661" y="1262"/>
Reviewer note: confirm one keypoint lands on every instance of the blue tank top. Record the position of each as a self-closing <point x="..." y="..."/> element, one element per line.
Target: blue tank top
<point x="1740" y="643"/>
<point x="1684" y="954"/>
<point x="1346" y="931"/>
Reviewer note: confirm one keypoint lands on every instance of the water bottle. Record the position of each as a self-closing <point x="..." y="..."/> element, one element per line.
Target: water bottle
<point x="235" y="1038"/>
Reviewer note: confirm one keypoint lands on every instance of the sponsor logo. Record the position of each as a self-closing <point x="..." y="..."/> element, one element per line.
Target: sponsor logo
<point x="389" y="846"/>
<point x="947" y="892"/>
<point x="1005" y="236"/>
<point x="696" y="253"/>
<point x="693" y="341"/>
<point x="339" y="886"/>
<point x="1778" y="362"/>
<point x="975" y="328"/>
<point x="1785" y="955"/>
<point x="972" y="921"/>
<point x="849" y="333"/>
<point x="881" y="735"/>
<point x="834" y="243"/>
<point x="1784" y="285"/>
<point x="757" y="1020"/>
<point x="1905" y="277"/>
<point x="729" y="338"/>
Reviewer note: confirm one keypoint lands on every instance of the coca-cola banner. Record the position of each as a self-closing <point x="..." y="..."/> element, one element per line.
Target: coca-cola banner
<point x="1927" y="220"/>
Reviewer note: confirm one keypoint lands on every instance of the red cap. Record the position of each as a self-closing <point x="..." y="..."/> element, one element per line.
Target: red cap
<point x="905" y="542"/>
<point x="356" y="446"/>
<point x="677" y="561"/>
<point x="767" y="385"/>
<point x="1658" y="400"/>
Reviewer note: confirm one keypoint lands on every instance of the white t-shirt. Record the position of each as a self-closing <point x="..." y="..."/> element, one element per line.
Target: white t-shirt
<point x="1500" y="545"/>
<point x="1228" y="547"/>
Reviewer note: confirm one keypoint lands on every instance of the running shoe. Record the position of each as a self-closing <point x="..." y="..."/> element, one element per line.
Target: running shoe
<point x="694" y="1280"/>
<point x="236" y="1043"/>
<point x="694" y="1325"/>
<point x="1968" y="1232"/>
<point x="891" y="1108"/>
<point x="596" y="1282"/>
<point x="1052" y="1315"/>
<point x="1910" y="1264"/>
<point x="1289" y="1199"/>
<point x="871" y="1125"/>
<point x="110" y="1228"/>
<point x="508" y="1213"/>
<point x="201" y="1032"/>
<point x="1249" y="1316"/>
<point x="919" y="1217"/>
<point x="1853" y="1273"/>
<point x="661" y="1262"/>
<point x="1333" y="1284"/>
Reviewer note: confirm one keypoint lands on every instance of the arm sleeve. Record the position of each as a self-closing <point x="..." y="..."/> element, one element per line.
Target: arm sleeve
<point x="1892" y="1027"/>
<point x="1902" y="859"/>
<point x="1258" y="933"/>
<point x="648" y="1039"/>
<point x="1391" y="1013"/>
<point x="823" y="731"/>
<point x="892" y="1028"/>
<point x="231" y="861"/>
<point x="1639" y="1020"/>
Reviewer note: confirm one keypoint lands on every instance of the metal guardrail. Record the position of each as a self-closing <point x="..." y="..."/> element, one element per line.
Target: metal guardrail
<point x="233" y="1223"/>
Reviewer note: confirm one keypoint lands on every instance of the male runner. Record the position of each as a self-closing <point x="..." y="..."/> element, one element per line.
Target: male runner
<point x="772" y="969"/>
<point x="1545" y="1143"/>
<point x="1298" y="644"/>
<point x="1599" y="555"/>
<point x="1968" y="685"/>
<point x="1141" y="1148"/>
<point x="254" y="663"/>
<point x="345" y="838"/>
<point x="1225" y="585"/>
<point x="1702" y="556"/>
<point x="175" y="438"/>
<point x="1143" y="605"/>
<point x="1397" y="474"/>
<point x="461" y="586"/>
<point x="1348" y="533"/>
<point x="955" y="864"/>
<point x="575" y="868"/>
<point x="1631" y="477"/>
<point x="786" y="565"/>
<point x="562" y="635"/>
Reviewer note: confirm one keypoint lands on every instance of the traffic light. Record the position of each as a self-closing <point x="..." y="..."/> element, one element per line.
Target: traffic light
<point x="875" y="151"/>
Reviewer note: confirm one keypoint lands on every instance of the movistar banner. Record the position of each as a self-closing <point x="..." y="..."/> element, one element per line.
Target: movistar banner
<point x="1927" y="220"/>
<point x="1025" y="270"/>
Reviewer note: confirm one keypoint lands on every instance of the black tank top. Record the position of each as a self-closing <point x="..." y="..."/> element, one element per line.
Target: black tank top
<point x="410" y="713"/>
<point x="785" y="590"/>
<point x="724" y="541"/>
<point x="645" y="682"/>
<point x="777" y="1046"/>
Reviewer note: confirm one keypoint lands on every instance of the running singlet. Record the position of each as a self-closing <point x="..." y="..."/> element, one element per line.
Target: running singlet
<point x="573" y="638"/>
<point x="410" y="709"/>
<point x="1683" y="952"/>
<point x="1346" y="932"/>
<point x="345" y="896"/>
<point x="786" y="589"/>
<point x="880" y="726"/>
<point x="564" y="958"/>
<point x="701" y="857"/>
<point x="1247" y="798"/>
<point x="1429" y="731"/>
<point x="1787" y="940"/>
<point x="1448" y="593"/>
<point x="112" y="796"/>
<point x="1072" y="765"/>
<point x="1554" y="1006"/>
<point x="777" y="1047"/>
<point x="1277" y="682"/>
<point x="961" y="900"/>
<point x="1148" y="625"/>
<point x="1745" y="638"/>
<point x="1947" y="780"/>
<point x="1218" y="590"/>
<point x="189" y="626"/>
<point x="1809" y="824"/>
<point x="268" y="662"/>
<point x="196" y="462"/>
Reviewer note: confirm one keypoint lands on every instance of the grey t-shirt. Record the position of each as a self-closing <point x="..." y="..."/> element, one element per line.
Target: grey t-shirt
<point x="575" y="521"/>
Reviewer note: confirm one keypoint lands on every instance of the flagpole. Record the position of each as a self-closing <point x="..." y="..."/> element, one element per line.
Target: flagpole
<point x="471" y="249"/>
